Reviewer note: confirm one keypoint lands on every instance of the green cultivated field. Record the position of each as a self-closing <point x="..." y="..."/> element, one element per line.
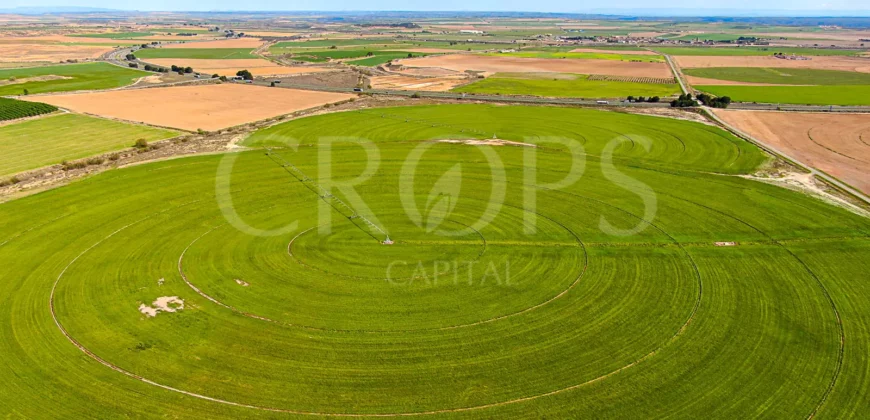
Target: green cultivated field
<point x="564" y="85"/>
<point x="88" y="76"/>
<point x="616" y="305"/>
<point x="744" y="51"/>
<point x="203" y="53"/>
<point x="46" y="141"/>
<point x="812" y="95"/>
<point x="785" y="76"/>
<point x="11" y="109"/>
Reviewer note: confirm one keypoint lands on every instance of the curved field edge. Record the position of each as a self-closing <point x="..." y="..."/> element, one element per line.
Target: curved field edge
<point x="35" y="143"/>
<point x="761" y="317"/>
<point x="68" y="77"/>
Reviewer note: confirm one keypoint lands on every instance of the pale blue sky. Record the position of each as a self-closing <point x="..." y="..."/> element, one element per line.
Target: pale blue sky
<point x="566" y="6"/>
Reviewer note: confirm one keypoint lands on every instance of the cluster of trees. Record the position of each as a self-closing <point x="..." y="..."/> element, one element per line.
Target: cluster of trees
<point x="158" y="69"/>
<point x="130" y="57"/>
<point x="715" y="102"/>
<point x="643" y="99"/>
<point x="684" y="101"/>
<point x="245" y="74"/>
<point x="182" y="70"/>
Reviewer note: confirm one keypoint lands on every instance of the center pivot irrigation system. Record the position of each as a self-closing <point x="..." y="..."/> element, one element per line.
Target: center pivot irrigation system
<point x="336" y="203"/>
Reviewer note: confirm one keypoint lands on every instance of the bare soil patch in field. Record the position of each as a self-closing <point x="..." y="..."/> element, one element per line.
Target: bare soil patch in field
<point x="501" y="64"/>
<point x="223" y="43"/>
<point x="430" y="84"/>
<point x="45" y="78"/>
<point x="207" y="107"/>
<point x="621" y="52"/>
<point x="838" y="144"/>
<point x="857" y="64"/>
<point x="49" y="52"/>
<point x="257" y="66"/>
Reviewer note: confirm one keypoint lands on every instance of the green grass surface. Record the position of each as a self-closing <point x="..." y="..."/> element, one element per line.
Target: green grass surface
<point x="52" y="139"/>
<point x="383" y="57"/>
<point x="785" y="76"/>
<point x="195" y="53"/>
<point x="563" y="85"/>
<point x="811" y="95"/>
<point x="582" y="55"/>
<point x="88" y="76"/>
<point x="11" y="109"/>
<point x="750" y="51"/>
<point x="592" y="324"/>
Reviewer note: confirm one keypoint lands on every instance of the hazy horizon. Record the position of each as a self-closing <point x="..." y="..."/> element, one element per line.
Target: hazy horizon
<point x="624" y="7"/>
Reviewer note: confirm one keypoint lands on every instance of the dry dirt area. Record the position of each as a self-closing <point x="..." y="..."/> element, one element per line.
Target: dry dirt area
<point x="223" y="43"/>
<point x="838" y="144"/>
<point x="257" y="66"/>
<point x="622" y="52"/>
<point x="49" y="52"/>
<point x="429" y="84"/>
<point x="501" y="64"/>
<point x="208" y="107"/>
<point x="822" y="63"/>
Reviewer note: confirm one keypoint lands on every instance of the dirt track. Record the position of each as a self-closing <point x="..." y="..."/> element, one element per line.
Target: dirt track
<point x="838" y="144"/>
<point x="822" y="63"/>
<point x="499" y="64"/>
<point x="207" y="107"/>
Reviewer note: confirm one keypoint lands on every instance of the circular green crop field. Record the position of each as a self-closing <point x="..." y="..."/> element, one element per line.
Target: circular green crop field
<point x="602" y="264"/>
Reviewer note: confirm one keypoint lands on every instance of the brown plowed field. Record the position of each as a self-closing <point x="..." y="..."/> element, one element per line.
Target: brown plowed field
<point x="10" y="53"/>
<point x="209" y="107"/>
<point x="257" y="66"/>
<point x="838" y="144"/>
<point x="822" y="63"/>
<point x="430" y="84"/>
<point x="500" y="64"/>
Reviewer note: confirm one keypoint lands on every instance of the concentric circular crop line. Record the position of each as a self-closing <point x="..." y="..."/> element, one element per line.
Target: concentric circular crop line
<point x="810" y="136"/>
<point x="142" y="379"/>
<point x="322" y="414"/>
<point x="349" y="276"/>
<point x="23" y="232"/>
<point x="841" y="331"/>
<point x="450" y="327"/>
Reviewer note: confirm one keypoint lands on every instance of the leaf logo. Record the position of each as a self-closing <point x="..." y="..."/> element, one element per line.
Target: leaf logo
<point x="443" y="197"/>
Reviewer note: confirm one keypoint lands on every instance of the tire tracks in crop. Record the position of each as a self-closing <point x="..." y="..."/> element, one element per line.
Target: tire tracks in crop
<point x="840" y="329"/>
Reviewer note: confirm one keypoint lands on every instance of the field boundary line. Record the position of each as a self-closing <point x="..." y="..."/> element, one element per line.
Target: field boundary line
<point x="776" y="152"/>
